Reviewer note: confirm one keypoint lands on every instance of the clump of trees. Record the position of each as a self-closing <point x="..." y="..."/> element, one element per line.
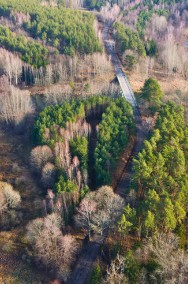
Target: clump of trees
<point x="9" y="201"/>
<point x="64" y="129"/>
<point x="16" y="106"/>
<point x="161" y="27"/>
<point x="110" y="13"/>
<point x="152" y="95"/>
<point x="65" y="135"/>
<point x="126" y="39"/>
<point x="159" y="260"/>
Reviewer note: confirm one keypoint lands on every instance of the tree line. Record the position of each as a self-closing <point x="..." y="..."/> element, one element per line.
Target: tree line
<point x="113" y="136"/>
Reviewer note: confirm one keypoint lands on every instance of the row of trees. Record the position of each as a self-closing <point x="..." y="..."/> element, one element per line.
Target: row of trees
<point x="113" y="136"/>
<point x="59" y="69"/>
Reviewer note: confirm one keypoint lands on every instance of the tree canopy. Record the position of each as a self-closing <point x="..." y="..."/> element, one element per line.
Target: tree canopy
<point x="160" y="173"/>
<point x="68" y="31"/>
<point x="152" y="93"/>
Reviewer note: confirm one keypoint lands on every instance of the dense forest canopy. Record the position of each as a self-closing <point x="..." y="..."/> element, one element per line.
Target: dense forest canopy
<point x="69" y="31"/>
<point x="30" y="51"/>
<point x="160" y="174"/>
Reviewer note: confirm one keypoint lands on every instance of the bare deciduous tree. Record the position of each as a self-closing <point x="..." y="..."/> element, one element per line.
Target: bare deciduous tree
<point x="85" y="214"/>
<point x="50" y="246"/>
<point x="9" y="197"/>
<point x="40" y="155"/>
<point x="9" y="202"/>
<point x="172" y="260"/>
<point x="115" y="273"/>
<point x="110" y="206"/>
<point x="100" y="210"/>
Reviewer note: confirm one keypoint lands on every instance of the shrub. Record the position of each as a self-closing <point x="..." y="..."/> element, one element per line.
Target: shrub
<point x="9" y="201"/>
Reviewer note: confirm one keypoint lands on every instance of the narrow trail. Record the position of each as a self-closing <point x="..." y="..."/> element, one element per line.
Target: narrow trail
<point x="85" y="263"/>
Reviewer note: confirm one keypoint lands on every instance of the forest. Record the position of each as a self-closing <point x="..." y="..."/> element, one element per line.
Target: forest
<point x="30" y="52"/>
<point x="67" y="31"/>
<point x="93" y="141"/>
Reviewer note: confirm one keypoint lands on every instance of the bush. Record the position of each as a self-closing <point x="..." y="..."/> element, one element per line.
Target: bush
<point x="130" y="61"/>
<point x="96" y="275"/>
<point x="9" y="201"/>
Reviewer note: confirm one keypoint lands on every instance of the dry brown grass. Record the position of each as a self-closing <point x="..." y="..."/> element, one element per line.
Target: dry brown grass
<point x="13" y="268"/>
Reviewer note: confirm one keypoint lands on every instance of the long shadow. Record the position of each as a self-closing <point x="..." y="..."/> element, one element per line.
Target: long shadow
<point x="94" y="121"/>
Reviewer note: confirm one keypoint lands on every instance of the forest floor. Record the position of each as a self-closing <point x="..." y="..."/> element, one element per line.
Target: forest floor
<point x="15" y="267"/>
